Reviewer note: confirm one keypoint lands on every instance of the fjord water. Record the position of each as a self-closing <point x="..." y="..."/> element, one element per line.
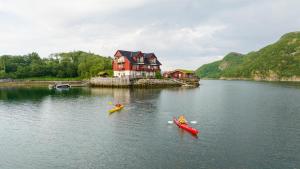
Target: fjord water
<point x="243" y="125"/>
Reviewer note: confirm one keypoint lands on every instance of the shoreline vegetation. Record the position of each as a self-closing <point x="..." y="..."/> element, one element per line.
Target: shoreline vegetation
<point x="279" y="61"/>
<point x="41" y="83"/>
<point x="76" y="68"/>
<point x="291" y="79"/>
<point x="70" y="65"/>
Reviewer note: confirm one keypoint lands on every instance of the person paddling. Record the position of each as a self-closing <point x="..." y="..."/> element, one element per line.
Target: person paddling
<point x="182" y="119"/>
<point x="118" y="105"/>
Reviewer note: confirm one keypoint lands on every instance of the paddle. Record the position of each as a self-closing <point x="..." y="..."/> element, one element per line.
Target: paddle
<point x="192" y="122"/>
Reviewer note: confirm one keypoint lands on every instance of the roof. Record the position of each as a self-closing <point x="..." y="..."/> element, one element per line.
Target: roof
<point x="129" y="55"/>
<point x="185" y="71"/>
<point x="147" y="55"/>
<point x="181" y="70"/>
<point x="102" y="73"/>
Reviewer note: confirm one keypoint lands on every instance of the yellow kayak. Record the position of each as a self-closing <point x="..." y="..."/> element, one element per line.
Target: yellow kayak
<point x="117" y="108"/>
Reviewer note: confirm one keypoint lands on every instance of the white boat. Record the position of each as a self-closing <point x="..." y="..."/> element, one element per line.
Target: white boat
<point x="60" y="86"/>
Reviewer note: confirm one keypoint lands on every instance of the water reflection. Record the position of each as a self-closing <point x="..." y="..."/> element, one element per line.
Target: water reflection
<point x="36" y="94"/>
<point x="126" y="96"/>
<point x="242" y="124"/>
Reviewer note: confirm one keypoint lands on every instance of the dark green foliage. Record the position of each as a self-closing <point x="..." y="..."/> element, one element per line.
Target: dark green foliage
<point x="217" y="69"/>
<point x="62" y="65"/>
<point x="281" y="58"/>
<point x="209" y="70"/>
<point x="158" y="75"/>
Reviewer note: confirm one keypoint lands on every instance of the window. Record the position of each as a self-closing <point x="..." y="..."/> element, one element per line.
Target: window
<point x="153" y="60"/>
<point x="141" y="60"/>
<point x="121" y="59"/>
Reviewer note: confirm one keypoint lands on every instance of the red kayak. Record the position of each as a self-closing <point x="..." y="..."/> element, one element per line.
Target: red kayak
<point x="185" y="127"/>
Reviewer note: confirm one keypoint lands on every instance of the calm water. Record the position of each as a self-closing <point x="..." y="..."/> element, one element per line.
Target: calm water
<point x="243" y="125"/>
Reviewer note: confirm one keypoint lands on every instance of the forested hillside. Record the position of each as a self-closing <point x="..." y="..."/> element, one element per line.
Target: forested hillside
<point x="62" y="65"/>
<point x="277" y="61"/>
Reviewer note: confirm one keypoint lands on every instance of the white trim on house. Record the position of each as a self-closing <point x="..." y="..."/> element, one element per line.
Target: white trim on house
<point x="133" y="73"/>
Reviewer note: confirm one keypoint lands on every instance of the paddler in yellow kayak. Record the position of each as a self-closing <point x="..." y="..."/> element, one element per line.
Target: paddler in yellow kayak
<point x="118" y="105"/>
<point x="182" y="120"/>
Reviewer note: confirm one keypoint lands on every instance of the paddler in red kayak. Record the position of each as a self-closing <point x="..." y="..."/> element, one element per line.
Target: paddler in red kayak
<point x="182" y="120"/>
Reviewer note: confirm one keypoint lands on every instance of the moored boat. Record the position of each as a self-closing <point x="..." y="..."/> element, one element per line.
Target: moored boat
<point x="186" y="127"/>
<point x="60" y="86"/>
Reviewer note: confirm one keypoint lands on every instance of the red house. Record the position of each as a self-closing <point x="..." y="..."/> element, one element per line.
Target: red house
<point x="135" y="64"/>
<point x="180" y="74"/>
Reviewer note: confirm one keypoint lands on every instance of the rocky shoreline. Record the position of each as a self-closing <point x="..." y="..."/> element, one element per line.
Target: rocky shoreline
<point x="139" y="83"/>
<point x="104" y="82"/>
<point x="268" y="79"/>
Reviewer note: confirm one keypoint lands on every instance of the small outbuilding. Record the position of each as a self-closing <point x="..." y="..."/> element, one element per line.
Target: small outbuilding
<point x="103" y="74"/>
<point x="180" y="74"/>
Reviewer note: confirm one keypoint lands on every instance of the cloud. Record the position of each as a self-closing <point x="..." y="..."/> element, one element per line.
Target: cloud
<point x="183" y="34"/>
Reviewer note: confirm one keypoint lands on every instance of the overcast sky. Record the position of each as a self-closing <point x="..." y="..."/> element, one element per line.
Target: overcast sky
<point x="182" y="33"/>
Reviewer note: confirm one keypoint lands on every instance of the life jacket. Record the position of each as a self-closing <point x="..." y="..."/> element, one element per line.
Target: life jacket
<point x="182" y="120"/>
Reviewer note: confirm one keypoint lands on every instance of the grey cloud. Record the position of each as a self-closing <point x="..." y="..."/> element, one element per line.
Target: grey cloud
<point x="184" y="33"/>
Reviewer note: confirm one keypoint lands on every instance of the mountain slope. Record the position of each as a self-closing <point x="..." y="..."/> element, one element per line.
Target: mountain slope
<point x="228" y="65"/>
<point x="278" y="61"/>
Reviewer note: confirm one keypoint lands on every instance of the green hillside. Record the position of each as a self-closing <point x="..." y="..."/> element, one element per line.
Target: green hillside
<point x="225" y="67"/>
<point x="77" y="64"/>
<point x="277" y="61"/>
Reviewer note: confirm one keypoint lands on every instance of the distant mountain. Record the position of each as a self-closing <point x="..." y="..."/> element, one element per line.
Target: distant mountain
<point x="276" y="62"/>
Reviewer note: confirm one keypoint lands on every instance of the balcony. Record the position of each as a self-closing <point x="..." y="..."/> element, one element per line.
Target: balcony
<point x="120" y="61"/>
<point x="146" y="69"/>
<point x="122" y="68"/>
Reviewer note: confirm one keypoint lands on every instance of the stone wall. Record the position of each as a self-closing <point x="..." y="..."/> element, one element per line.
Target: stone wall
<point x="126" y="82"/>
<point x="154" y="83"/>
<point x="110" y="82"/>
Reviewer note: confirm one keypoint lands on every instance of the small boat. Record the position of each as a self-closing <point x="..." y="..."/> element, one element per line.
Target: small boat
<point x="186" y="127"/>
<point x="117" y="108"/>
<point x="60" y="86"/>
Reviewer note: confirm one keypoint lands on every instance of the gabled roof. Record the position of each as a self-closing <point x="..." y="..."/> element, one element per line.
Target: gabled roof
<point x="181" y="70"/>
<point x="148" y="55"/>
<point x="185" y="71"/>
<point x="129" y="55"/>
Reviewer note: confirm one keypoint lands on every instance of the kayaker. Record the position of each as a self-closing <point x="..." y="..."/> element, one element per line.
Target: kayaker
<point x="182" y="119"/>
<point x="118" y="105"/>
